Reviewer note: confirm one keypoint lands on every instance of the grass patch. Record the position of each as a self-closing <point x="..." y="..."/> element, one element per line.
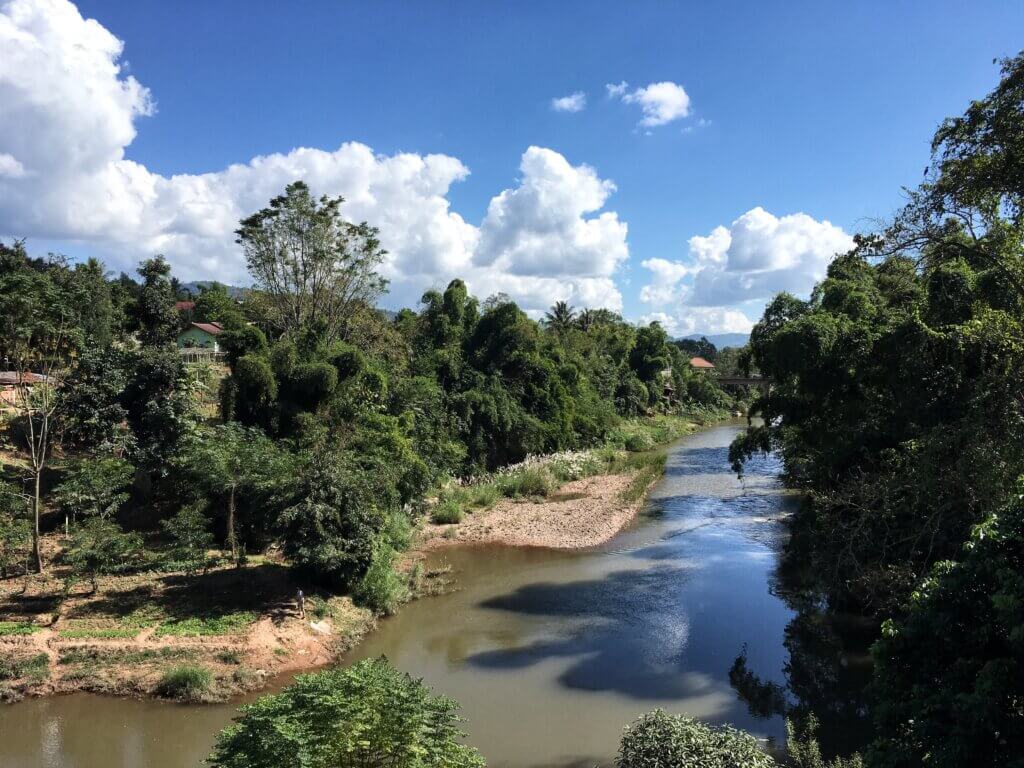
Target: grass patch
<point x="642" y="434"/>
<point x="526" y="483"/>
<point x="446" y="512"/>
<point x="98" y="634"/>
<point x="483" y="495"/>
<point x="638" y="442"/>
<point x="202" y="626"/>
<point x="650" y="469"/>
<point x="34" y="668"/>
<point x="186" y="683"/>
<point x="100" y="656"/>
<point x="11" y="628"/>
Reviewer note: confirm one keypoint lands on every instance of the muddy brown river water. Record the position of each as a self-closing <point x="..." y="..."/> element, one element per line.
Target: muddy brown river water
<point x="549" y="653"/>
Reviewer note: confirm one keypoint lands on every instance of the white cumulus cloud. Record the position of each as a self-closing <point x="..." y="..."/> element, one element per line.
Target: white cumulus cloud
<point x="660" y="103"/>
<point x="744" y="264"/>
<point x="574" y="102"/>
<point x="68" y="113"/>
<point x="703" y="320"/>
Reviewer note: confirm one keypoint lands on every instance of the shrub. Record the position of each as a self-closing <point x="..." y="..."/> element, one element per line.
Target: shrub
<point x="446" y="512"/>
<point x="573" y="466"/>
<point x="186" y="683"/>
<point x="35" y="668"/>
<point x="229" y="656"/>
<point x="483" y="495"/>
<point x="527" y="482"/>
<point x="804" y="752"/>
<point x="367" y="714"/>
<point x="381" y="589"/>
<point x="98" y="547"/>
<point x="638" y="442"/>
<point x="190" y="540"/>
<point x="659" y="739"/>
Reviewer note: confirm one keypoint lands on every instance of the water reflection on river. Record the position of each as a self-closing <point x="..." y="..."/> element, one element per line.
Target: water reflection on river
<point x="549" y="653"/>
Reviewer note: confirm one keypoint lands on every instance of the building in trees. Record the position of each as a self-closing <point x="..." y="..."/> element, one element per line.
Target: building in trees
<point x="201" y="336"/>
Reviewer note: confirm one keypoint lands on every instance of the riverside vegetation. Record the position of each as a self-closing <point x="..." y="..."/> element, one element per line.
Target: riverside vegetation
<point x="158" y="516"/>
<point x="898" y="406"/>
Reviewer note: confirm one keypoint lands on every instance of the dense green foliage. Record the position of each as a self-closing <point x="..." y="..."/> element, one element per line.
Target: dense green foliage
<point x="951" y="675"/>
<point x="98" y="546"/>
<point x="898" y="405"/>
<point x="367" y="715"/>
<point x="660" y="740"/>
<point x="190" y="539"/>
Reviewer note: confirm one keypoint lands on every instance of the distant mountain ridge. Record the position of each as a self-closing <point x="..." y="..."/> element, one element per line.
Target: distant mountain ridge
<point x="196" y="287"/>
<point x="722" y="340"/>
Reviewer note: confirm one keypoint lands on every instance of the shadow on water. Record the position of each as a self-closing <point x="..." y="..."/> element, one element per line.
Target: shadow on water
<point x="709" y="599"/>
<point x="627" y="638"/>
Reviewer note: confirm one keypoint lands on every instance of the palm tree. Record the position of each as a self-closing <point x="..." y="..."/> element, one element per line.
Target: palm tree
<point x="560" y="317"/>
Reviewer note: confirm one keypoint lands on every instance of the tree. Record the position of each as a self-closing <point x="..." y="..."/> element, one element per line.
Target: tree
<point x="649" y="357"/>
<point x="159" y="406"/>
<point x="188" y="531"/>
<point x="37" y="342"/>
<point x="315" y="269"/>
<point x="226" y="462"/>
<point x="338" y="509"/>
<point x="157" y="315"/>
<point x="215" y="305"/>
<point x="950" y="675"/>
<point x="94" y="486"/>
<point x="369" y="714"/>
<point x="560" y="318"/>
<point x="15" y="532"/>
<point x="98" y="547"/>
<point x="699" y="348"/>
<point x="90" y="408"/>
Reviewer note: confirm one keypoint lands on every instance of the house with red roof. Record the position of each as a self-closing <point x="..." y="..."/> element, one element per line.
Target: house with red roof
<point x="201" y="336"/>
<point x="701" y="364"/>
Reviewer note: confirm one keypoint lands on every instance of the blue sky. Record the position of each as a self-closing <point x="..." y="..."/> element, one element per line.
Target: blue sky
<point x="821" y="109"/>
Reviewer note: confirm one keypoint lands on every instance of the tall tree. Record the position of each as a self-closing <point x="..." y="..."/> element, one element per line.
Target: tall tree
<point x="94" y="486"/>
<point x="228" y="461"/>
<point x="560" y="317"/>
<point x="38" y="340"/>
<point x="157" y="315"/>
<point x="315" y="268"/>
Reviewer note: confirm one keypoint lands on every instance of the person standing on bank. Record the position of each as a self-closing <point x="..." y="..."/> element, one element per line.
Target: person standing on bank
<point x="300" y="600"/>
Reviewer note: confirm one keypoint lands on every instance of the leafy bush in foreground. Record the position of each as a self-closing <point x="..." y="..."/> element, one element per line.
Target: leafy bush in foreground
<point x="660" y="740"/>
<point x="367" y="715"/>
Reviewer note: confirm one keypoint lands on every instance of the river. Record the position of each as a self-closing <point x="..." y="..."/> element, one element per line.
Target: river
<point x="549" y="653"/>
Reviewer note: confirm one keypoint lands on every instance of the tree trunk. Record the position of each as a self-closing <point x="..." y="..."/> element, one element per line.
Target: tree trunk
<point x="36" y="503"/>
<point x="232" y="540"/>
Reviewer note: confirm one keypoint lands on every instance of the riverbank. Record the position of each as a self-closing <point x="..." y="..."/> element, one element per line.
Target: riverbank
<point x="231" y="629"/>
<point x="581" y="513"/>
